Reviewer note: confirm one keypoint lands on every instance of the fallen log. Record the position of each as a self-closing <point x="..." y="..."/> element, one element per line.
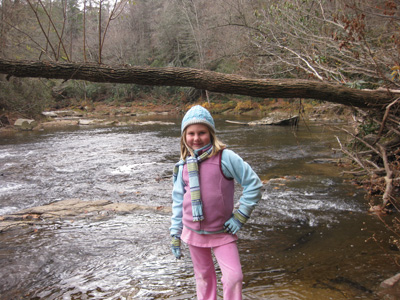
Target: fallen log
<point x="237" y="122"/>
<point x="271" y="120"/>
<point x="203" y="80"/>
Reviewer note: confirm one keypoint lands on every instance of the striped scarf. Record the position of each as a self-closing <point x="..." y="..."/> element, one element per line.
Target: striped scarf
<point x="194" y="183"/>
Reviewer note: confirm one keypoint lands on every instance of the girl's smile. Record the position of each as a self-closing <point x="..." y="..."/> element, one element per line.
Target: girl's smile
<point x="197" y="136"/>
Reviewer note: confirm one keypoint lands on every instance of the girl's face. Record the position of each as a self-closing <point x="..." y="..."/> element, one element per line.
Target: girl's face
<point x="197" y="136"/>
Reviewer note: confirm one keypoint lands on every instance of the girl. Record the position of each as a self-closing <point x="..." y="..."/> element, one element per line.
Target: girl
<point x="203" y="203"/>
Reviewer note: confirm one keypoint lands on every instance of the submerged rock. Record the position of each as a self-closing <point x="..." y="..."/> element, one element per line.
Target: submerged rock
<point x="72" y="209"/>
<point x="390" y="288"/>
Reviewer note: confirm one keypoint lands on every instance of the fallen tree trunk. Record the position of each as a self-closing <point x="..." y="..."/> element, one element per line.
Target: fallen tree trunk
<point x="202" y="79"/>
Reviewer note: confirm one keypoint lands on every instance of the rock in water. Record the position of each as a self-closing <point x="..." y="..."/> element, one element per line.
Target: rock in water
<point x="25" y="124"/>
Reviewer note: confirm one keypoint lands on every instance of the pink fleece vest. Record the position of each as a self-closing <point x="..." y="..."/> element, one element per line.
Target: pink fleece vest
<point x="217" y="193"/>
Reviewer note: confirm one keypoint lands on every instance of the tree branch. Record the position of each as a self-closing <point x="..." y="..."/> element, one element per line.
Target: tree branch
<point x="388" y="178"/>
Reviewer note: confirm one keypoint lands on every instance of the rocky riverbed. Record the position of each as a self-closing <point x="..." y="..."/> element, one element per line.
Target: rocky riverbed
<point x="72" y="209"/>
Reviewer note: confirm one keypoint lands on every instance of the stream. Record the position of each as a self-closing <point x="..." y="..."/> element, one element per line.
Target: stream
<point x="309" y="237"/>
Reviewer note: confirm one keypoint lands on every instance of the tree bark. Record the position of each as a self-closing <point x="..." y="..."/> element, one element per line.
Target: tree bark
<point x="201" y="79"/>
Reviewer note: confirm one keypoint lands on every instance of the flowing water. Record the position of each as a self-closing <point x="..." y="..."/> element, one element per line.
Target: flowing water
<point x="306" y="239"/>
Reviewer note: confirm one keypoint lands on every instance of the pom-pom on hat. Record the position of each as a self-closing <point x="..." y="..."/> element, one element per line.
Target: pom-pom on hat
<point x="197" y="115"/>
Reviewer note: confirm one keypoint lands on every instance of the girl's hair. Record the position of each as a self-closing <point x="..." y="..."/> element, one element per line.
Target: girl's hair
<point x="187" y="151"/>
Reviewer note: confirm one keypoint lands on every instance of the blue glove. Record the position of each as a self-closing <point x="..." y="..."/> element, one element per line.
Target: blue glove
<point x="176" y="246"/>
<point x="236" y="222"/>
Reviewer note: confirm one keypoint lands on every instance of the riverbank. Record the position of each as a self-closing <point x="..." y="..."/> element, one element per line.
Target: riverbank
<point x="111" y="114"/>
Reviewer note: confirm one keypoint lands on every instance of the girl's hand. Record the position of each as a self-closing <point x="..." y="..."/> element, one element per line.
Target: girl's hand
<point x="235" y="223"/>
<point x="176" y="246"/>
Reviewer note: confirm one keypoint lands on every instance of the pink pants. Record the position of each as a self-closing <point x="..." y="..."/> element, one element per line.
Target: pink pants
<point x="204" y="271"/>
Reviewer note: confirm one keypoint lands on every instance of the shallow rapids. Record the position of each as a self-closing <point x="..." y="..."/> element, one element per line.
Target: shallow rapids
<point x="306" y="239"/>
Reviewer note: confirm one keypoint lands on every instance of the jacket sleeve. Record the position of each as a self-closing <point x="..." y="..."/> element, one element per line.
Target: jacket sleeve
<point x="234" y="166"/>
<point x="177" y="204"/>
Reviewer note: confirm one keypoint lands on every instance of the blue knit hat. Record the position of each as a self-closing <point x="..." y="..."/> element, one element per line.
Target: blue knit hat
<point x="197" y="115"/>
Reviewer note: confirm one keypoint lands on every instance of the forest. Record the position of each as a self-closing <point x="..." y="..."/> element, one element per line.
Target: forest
<point x="336" y="49"/>
<point x="352" y="44"/>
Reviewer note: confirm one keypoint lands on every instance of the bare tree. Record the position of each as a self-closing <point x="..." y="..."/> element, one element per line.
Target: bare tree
<point x="351" y="42"/>
<point x="59" y="32"/>
<point x="115" y="12"/>
<point x="191" y="13"/>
